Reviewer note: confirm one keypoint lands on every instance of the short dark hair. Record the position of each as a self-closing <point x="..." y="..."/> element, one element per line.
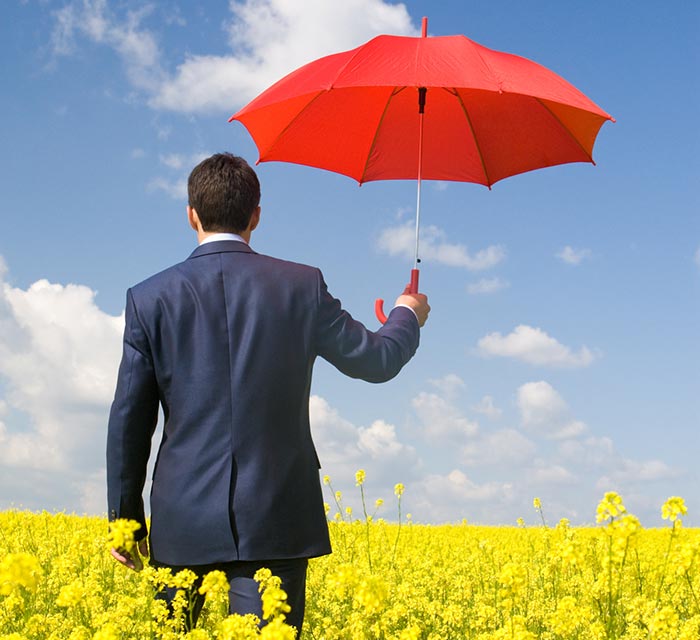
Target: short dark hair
<point x="224" y="191"/>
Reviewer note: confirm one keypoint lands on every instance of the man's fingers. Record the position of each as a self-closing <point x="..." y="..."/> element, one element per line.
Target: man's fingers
<point x="418" y="302"/>
<point x="126" y="559"/>
<point x="123" y="557"/>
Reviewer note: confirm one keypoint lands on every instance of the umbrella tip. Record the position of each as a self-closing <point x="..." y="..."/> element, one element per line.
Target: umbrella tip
<point x="424" y="27"/>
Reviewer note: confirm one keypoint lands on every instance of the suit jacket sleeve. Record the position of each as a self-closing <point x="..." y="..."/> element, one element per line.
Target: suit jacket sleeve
<point x="132" y="421"/>
<point x="360" y="353"/>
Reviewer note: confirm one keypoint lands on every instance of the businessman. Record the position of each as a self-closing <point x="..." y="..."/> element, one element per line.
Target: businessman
<point x="225" y="342"/>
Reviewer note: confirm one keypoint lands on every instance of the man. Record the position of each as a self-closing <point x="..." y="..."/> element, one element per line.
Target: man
<point x="225" y="342"/>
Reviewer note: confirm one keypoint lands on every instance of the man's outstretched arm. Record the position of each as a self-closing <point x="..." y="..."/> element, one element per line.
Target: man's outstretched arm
<point x="369" y="355"/>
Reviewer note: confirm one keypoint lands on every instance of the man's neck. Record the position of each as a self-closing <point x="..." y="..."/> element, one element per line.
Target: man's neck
<point x="204" y="235"/>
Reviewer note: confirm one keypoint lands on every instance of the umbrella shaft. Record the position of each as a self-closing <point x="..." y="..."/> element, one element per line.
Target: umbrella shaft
<point x="420" y="169"/>
<point x="416" y="258"/>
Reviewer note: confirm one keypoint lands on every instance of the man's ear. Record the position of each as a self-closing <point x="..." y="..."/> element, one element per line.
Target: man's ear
<point x="193" y="218"/>
<point x="254" y="219"/>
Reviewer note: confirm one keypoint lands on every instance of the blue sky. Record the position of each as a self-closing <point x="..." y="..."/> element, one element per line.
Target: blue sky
<point x="563" y="367"/>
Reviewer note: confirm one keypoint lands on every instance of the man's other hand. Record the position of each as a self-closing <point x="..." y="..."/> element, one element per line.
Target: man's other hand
<point x="132" y="559"/>
<point x="418" y="302"/>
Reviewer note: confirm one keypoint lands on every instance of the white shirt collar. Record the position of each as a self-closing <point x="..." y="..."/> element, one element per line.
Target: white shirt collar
<point x="216" y="237"/>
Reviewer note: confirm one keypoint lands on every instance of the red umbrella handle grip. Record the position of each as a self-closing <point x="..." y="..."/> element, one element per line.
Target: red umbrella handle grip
<point x="413" y="287"/>
<point x="379" y="310"/>
<point x="379" y="303"/>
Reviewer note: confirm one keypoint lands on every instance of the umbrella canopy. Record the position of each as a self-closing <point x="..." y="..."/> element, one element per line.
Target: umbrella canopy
<point x="488" y="114"/>
<point x="443" y="108"/>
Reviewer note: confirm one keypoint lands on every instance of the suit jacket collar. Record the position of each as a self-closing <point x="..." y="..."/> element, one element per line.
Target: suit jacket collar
<point x="221" y="246"/>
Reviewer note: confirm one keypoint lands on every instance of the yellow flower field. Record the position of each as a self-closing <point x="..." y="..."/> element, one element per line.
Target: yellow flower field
<point x="395" y="581"/>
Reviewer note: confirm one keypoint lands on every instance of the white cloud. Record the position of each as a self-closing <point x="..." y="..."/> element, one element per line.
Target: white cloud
<point x="441" y="420"/>
<point x="487" y="407"/>
<point x="539" y="403"/>
<point x="335" y="437"/>
<point x="487" y="285"/>
<point x="599" y="455"/>
<point x="93" y="492"/>
<point x="591" y="451"/>
<point x="176" y="189"/>
<point x="551" y="474"/>
<point x="696" y="257"/>
<point x="343" y="448"/>
<point x="173" y="160"/>
<point x="573" y="256"/>
<point x="137" y="153"/>
<point x="543" y="411"/>
<point x="631" y="472"/>
<point x="401" y="239"/>
<point x="268" y="39"/>
<point x="507" y="447"/>
<point x="174" y="16"/>
<point x="448" y="385"/>
<point x="182" y="164"/>
<point x="379" y="441"/>
<point x="59" y="354"/>
<point x="534" y="346"/>
<point x="58" y="363"/>
<point x="454" y="496"/>
<point x="92" y="19"/>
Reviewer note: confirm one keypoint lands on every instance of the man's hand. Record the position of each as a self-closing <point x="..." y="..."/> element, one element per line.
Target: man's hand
<point x="132" y="559"/>
<point x="418" y="302"/>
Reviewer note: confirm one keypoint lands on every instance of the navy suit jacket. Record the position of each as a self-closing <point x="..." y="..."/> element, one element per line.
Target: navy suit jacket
<point x="225" y="342"/>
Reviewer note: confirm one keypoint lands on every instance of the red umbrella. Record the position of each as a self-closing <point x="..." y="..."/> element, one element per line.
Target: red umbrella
<point x="440" y="108"/>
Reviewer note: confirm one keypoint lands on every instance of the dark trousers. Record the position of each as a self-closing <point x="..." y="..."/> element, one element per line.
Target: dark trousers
<point x="243" y="590"/>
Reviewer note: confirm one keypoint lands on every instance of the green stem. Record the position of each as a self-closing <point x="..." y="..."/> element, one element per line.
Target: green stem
<point x="544" y="523"/>
<point x="692" y="591"/>
<point x="619" y="577"/>
<point x="609" y="625"/>
<point x="663" y="570"/>
<point x="367" y="524"/>
<point x="398" y="533"/>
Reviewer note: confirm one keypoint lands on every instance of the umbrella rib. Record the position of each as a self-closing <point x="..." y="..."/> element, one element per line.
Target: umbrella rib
<point x="376" y="132"/>
<point x="471" y="128"/>
<point x="563" y="126"/>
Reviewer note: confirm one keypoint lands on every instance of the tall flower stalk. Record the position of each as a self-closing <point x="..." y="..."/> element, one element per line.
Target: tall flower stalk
<point x="360" y="481"/>
<point x="398" y="492"/>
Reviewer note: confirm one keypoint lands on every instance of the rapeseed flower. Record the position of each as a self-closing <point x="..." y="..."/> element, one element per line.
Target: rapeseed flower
<point x="71" y="594"/>
<point x="214" y="585"/>
<point x="19" y="570"/>
<point x="673" y="508"/>
<point x="609" y="507"/>
<point x="121" y="534"/>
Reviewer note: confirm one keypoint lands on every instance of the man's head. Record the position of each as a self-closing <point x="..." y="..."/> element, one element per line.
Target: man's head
<point x="225" y="192"/>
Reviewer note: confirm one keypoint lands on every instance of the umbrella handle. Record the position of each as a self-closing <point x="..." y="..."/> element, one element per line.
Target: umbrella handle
<point x="379" y="302"/>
